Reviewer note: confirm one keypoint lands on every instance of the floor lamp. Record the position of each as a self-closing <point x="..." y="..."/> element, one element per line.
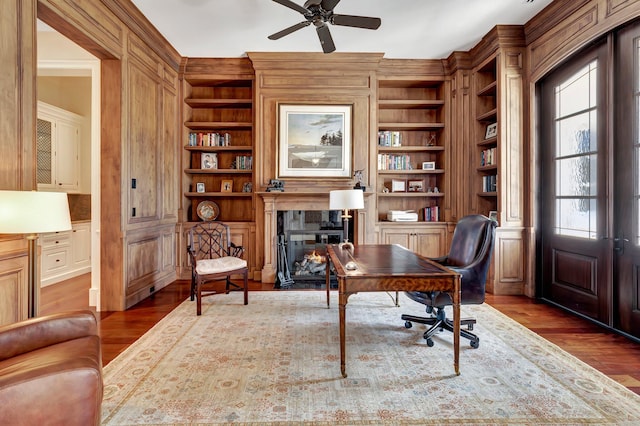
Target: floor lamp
<point x="346" y="199"/>
<point x="32" y="213"/>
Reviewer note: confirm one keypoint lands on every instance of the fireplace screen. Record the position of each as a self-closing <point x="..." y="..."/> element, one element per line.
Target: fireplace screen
<point x="303" y="236"/>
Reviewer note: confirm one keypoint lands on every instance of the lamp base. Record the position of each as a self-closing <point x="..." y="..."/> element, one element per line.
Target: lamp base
<point x="346" y="245"/>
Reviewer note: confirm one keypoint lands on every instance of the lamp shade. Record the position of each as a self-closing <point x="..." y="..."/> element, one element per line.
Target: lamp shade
<point x="33" y="212"/>
<point x="346" y="199"/>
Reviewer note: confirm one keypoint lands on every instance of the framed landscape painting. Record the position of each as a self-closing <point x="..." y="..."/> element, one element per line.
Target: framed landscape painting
<point x="314" y="141"/>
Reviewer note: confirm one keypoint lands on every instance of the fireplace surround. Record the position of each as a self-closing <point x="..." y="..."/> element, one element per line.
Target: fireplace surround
<point x="300" y="201"/>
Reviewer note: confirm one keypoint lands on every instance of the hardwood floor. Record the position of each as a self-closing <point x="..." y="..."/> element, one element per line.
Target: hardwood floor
<point x="610" y="353"/>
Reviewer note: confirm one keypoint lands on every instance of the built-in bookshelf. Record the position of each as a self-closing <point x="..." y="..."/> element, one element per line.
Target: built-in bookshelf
<point x="410" y="147"/>
<point x="486" y="136"/>
<point x="219" y="142"/>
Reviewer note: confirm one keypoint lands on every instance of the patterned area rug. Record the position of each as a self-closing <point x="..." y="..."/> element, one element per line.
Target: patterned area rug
<point x="276" y="361"/>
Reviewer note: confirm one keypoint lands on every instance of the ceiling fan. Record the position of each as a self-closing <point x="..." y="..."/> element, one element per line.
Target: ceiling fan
<point x="318" y="13"/>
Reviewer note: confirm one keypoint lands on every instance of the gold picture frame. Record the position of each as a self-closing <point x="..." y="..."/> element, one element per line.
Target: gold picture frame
<point x="226" y="185"/>
<point x="314" y="141"/>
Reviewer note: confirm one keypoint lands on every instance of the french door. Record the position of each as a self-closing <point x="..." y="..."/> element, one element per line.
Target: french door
<point x="626" y="189"/>
<point x="590" y="183"/>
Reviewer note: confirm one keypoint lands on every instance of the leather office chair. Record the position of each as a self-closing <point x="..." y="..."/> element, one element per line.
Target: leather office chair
<point x="214" y="258"/>
<point x="469" y="255"/>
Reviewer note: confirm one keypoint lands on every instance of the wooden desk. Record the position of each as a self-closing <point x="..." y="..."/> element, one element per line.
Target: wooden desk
<point x="384" y="267"/>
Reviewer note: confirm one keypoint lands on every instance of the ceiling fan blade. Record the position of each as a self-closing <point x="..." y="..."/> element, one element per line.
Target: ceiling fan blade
<point x="325" y="39"/>
<point x="356" y="21"/>
<point x="292" y="5"/>
<point x="289" y="30"/>
<point x="329" y="4"/>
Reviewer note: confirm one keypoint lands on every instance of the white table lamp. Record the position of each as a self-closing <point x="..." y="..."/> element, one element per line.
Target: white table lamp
<point x="31" y="213"/>
<point x="345" y="200"/>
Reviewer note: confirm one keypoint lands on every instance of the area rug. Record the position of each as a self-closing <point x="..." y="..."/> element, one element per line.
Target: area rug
<point x="276" y="361"/>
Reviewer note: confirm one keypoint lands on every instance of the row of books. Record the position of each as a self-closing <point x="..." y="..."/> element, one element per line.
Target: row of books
<point x="489" y="183"/>
<point x="389" y="138"/>
<point x="488" y="157"/>
<point x="431" y="214"/>
<point x="209" y="139"/>
<point x="244" y="162"/>
<point x="394" y="162"/>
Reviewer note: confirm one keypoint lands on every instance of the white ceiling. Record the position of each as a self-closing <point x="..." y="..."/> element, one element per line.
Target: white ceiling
<point x="423" y="29"/>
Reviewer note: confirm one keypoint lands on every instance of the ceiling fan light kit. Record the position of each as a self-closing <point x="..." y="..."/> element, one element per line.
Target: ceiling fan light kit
<point x="319" y="13"/>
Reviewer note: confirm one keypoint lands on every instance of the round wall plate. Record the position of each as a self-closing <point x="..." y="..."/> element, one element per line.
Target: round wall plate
<point x="208" y="210"/>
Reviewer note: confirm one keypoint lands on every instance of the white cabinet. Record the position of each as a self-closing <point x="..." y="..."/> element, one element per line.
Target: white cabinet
<point x="65" y="254"/>
<point x="429" y="240"/>
<point x="81" y="245"/>
<point x="58" y="148"/>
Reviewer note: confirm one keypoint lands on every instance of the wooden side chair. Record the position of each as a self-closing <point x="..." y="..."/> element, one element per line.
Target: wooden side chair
<point x="214" y="258"/>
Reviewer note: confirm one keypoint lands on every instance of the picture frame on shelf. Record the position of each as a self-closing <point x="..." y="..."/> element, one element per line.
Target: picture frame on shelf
<point x="428" y="165"/>
<point x="493" y="215"/>
<point x="200" y="187"/>
<point x="415" y="186"/>
<point x="314" y="141"/>
<point x="209" y="160"/>
<point x="398" y="185"/>
<point x="492" y="131"/>
<point x="247" y="187"/>
<point x="226" y="185"/>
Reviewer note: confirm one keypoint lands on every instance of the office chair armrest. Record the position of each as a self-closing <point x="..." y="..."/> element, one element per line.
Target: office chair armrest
<point x="441" y="260"/>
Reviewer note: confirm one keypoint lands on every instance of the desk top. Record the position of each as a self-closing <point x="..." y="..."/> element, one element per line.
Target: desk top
<point x="381" y="260"/>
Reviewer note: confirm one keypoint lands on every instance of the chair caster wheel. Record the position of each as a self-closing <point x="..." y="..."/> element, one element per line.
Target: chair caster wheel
<point x="475" y="343"/>
<point x="430" y="342"/>
<point x="407" y="324"/>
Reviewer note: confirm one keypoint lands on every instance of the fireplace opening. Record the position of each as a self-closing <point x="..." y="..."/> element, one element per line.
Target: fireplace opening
<point x="302" y="239"/>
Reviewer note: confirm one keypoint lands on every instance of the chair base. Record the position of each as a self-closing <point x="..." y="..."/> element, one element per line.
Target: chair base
<point x="198" y="292"/>
<point x="441" y="322"/>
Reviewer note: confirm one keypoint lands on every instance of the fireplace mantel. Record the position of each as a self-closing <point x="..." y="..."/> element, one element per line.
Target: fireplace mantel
<point x="296" y="200"/>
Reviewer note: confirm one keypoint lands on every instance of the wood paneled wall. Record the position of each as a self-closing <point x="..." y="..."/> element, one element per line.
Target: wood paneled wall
<point x="141" y="104"/>
<point x="140" y="122"/>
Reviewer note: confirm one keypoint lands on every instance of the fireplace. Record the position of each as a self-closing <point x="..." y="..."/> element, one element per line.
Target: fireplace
<point x="274" y="202"/>
<point x="302" y="239"/>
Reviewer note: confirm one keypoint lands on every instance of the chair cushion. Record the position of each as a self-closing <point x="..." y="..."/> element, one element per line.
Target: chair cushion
<point x="221" y="264"/>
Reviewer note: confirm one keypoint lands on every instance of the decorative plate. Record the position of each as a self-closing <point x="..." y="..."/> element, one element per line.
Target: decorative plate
<point x="208" y="210"/>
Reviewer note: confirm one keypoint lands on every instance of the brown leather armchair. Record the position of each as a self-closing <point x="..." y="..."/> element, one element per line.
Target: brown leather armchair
<point x="51" y="371"/>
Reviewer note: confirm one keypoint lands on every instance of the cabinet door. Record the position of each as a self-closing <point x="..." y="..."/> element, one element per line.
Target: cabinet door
<point x="430" y="242"/>
<point x="45" y="153"/>
<point x="81" y="245"/>
<point x="400" y="236"/>
<point x="67" y="142"/>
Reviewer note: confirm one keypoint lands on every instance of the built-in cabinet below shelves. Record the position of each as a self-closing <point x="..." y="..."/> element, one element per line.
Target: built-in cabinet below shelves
<point x="411" y="146"/>
<point x="426" y="239"/>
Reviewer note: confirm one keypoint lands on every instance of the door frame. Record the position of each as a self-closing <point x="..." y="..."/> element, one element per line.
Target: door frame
<point x="601" y="247"/>
<point x="63" y="68"/>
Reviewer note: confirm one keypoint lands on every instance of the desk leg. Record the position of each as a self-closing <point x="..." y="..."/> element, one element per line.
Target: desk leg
<point x="456" y="326"/>
<point x="343" y="308"/>
<point x="327" y="274"/>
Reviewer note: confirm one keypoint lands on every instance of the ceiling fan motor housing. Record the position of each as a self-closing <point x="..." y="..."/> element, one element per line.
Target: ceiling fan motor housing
<point x="319" y="12"/>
